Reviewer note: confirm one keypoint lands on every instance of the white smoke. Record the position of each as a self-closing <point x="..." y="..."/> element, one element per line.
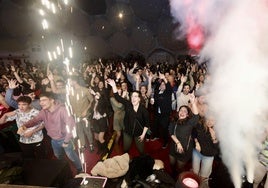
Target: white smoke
<point x="201" y="11"/>
<point x="237" y="47"/>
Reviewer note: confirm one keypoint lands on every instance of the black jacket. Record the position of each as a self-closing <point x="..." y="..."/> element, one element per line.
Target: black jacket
<point x="163" y="100"/>
<point x="208" y="148"/>
<point x="134" y="121"/>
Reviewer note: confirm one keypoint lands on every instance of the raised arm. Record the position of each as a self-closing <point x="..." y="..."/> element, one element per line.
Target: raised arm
<point x="192" y="82"/>
<point x="193" y="103"/>
<point x="16" y="74"/>
<point x="131" y="70"/>
<point x="131" y="79"/>
<point x="52" y="82"/>
<point x="12" y="84"/>
<point x="111" y="82"/>
<point x="183" y="80"/>
<point x="120" y="99"/>
<point x="149" y="86"/>
<point x="137" y="82"/>
<point x="162" y="76"/>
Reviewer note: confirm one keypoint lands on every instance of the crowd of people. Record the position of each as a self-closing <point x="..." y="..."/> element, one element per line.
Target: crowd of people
<point x="145" y="102"/>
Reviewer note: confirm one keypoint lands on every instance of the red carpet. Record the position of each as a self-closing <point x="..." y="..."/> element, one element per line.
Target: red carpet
<point x="153" y="148"/>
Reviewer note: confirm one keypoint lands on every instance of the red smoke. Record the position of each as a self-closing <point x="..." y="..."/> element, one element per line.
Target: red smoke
<point x="195" y="32"/>
<point x="195" y="37"/>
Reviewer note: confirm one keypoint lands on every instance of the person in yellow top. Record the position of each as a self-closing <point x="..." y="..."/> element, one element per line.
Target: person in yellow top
<point x="81" y="100"/>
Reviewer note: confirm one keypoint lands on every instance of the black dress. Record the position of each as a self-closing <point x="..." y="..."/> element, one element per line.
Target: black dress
<point x="183" y="131"/>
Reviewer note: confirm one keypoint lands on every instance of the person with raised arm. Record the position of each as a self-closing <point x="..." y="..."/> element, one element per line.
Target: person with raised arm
<point x="181" y="147"/>
<point x="206" y="147"/>
<point x="136" y="119"/>
<point x="183" y="93"/>
<point x="163" y="109"/>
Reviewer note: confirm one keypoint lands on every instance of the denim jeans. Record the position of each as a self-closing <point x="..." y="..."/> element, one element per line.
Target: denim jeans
<point x="69" y="151"/>
<point x="202" y="165"/>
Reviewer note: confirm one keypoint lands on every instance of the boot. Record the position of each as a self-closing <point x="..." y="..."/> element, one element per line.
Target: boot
<point x="104" y="149"/>
<point x="99" y="148"/>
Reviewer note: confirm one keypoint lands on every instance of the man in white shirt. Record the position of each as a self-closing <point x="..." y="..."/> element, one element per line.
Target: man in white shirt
<point x="183" y="96"/>
<point x="31" y="140"/>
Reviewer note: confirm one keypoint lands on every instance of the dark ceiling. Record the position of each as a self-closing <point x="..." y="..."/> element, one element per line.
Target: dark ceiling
<point x="146" y="24"/>
<point x="92" y="7"/>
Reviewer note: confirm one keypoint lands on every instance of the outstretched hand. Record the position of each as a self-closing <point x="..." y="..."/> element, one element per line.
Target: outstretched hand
<point x="111" y="82"/>
<point x="12" y="68"/>
<point x="50" y="76"/>
<point x="192" y="97"/>
<point x="183" y="78"/>
<point x="161" y="76"/>
<point x="12" y="84"/>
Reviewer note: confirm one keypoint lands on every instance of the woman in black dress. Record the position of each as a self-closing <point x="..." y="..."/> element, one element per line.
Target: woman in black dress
<point x="181" y="130"/>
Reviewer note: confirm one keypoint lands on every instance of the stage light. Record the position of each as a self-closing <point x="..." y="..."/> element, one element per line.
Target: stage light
<point x="53" y="8"/>
<point x="65" y="2"/>
<point x="70" y="52"/>
<point x="54" y="55"/>
<point x="45" y="24"/>
<point x="49" y="56"/>
<point x="47" y="4"/>
<point x="58" y="50"/>
<point x="120" y="15"/>
<point x="188" y="180"/>
<point x="43" y="2"/>
<point x="41" y="12"/>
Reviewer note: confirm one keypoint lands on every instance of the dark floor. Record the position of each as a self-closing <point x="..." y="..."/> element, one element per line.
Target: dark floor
<point x="219" y="178"/>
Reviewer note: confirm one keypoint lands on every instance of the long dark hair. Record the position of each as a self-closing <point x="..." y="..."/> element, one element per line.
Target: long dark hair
<point x="190" y="114"/>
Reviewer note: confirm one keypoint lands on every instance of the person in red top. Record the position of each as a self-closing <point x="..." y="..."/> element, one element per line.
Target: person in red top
<point x="4" y="108"/>
<point x="59" y="125"/>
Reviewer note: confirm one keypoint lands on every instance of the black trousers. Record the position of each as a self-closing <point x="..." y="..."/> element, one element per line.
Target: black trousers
<point x="160" y="127"/>
<point x="33" y="151"/>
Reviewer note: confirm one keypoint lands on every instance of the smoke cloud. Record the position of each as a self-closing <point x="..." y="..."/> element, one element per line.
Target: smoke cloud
<point x="237" y="46"/>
